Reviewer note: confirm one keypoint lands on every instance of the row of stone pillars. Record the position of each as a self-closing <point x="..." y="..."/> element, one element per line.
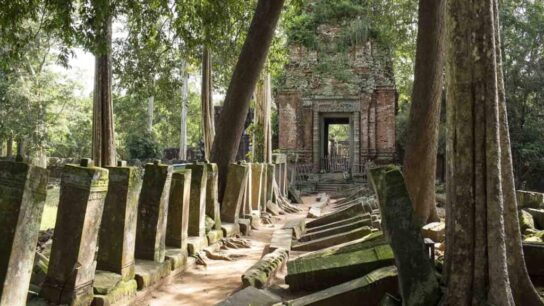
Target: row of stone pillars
<point x="117" y="232"/>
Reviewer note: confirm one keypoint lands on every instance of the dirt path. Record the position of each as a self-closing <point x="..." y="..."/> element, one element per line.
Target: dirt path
<point x="208" y="286"/>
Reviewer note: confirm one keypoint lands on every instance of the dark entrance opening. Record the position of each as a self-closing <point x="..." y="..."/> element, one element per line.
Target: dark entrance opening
<point x="336" y="144"/>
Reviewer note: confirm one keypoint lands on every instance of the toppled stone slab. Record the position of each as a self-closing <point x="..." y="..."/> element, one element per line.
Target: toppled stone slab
<point x="328" y="241"/>
<point x="316" y="273"/>
<point x="281" y="239"/>
<point x="298" y="225"/>
<point x="260" y="273"/>
<point x="335" y="230"/>
<point x="251" y="296"/>
<point x="356" y="209"/>
<point x="528" y="199"/>
<point x="149" y="273"/>
<point x="418" y="282"/>
<point x="435" y="231"/>
<point x="335" y="224"/>
<point x="369" y="241"/>
<point x="369" y="290"/>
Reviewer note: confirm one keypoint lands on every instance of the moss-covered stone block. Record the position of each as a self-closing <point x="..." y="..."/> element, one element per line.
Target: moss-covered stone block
<point x="234" y="193"/>
<point x="197" y="206"/>
<point x="177" y="258"/>
<point x="120" y="295"/>
<point x="72" y="263"/>
<point x="315" y="273"/>
<point x="150" y="272"/>
<point x="212" y="202"/>
<point x="178" y="210"/>
<point x="260" y="273"/>
<point x="418" y="282"/>
<point x="152" y="212"/>
<point x="22" y="198"/>
<point x="118" y="227"/>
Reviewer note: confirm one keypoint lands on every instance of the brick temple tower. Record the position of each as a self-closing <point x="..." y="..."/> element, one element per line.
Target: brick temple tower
<point x="341" y="75"/>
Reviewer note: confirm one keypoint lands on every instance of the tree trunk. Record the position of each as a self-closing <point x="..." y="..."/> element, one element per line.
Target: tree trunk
<point x="262" y="141"/>
<point x="103" y="125"/>
<point x="421" y="148"/>
<point x="242" y="85"/>
<point x="522" y="287"/>
<point x="9" y="147"/>
<point x="479" y="269"/>
<point x="150" y="111"/>
<point x="184" y="106"/>
<point x="20" y="149"/>
<point x="208" y="125"/>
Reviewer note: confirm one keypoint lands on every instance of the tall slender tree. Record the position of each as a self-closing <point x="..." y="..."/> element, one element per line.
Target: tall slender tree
<point x="208" y="125"/>
<point x="483" y="258"/>
<point x="246" y="74"/>
<point x="422" y="143"/>
<point x="104" y="153"/>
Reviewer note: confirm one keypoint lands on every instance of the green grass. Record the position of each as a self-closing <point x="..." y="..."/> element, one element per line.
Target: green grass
<point x="50" y="210"/>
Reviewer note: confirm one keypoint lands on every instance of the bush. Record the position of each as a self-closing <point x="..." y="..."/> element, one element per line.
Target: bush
<point x="142" y="146"/>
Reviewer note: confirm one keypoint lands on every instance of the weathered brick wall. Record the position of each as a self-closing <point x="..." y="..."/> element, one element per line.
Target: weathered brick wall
<point x="289" y="105"/>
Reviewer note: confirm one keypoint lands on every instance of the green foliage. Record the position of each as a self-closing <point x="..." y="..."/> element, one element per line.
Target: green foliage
<point x="142" y="146"/>
<point x="523" y="38"/>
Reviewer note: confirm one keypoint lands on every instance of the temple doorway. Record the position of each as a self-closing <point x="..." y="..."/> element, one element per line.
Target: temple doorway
<point x="336" y="143"/>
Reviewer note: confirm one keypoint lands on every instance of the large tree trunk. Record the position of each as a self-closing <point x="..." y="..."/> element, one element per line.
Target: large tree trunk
<point x="208" y="125"/>
<point x="184" y="107"/>
<point x="242" y="85"/>
<point x="103" y="125"/>
<point x="421" y="148"/>
<point x="522" y="287"/>
<point x="480" y="214"/>
<point x="9" y="147"/>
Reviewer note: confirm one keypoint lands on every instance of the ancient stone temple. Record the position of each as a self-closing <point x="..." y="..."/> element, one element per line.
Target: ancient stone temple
<point x="339" y="76"/>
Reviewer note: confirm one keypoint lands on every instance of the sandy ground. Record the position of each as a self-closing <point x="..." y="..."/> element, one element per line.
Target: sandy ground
<point x="208" y="286"/>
